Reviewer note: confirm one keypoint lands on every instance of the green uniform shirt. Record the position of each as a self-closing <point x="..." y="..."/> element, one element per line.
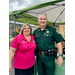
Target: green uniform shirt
<point x="45" y="39"/>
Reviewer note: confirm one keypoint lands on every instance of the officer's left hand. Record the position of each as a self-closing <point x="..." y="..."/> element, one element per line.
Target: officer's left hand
<point x="60" y="61"/>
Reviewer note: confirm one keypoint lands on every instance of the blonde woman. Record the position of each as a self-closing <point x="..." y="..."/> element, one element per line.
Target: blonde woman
<point x="23" y="46"/>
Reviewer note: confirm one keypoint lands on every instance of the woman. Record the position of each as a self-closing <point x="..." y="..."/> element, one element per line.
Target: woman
<point x="23" y="46"/>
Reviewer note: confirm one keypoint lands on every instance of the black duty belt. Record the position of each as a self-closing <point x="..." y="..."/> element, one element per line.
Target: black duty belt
<point x="44" y="53"/>
<point x="51" y="52"/>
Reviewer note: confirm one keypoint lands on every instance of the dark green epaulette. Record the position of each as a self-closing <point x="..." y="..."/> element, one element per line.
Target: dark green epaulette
<point x="36" y="31"/>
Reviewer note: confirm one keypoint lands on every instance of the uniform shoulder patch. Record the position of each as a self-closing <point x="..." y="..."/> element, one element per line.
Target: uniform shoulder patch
<point x="57" y="31"/>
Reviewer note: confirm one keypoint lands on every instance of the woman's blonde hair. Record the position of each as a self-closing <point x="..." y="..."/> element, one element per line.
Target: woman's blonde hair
<point x="21" y="31"/>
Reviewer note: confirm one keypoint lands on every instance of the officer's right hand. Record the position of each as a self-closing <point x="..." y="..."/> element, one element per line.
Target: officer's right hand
<point x="10" y="68"/>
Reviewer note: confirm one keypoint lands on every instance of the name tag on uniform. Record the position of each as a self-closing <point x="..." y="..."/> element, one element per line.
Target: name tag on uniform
<point x="33" y="40"/>
<point x="24" y="41"/>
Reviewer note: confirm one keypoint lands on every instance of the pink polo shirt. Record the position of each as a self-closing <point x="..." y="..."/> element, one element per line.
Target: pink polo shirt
<point x="24" y="57"/>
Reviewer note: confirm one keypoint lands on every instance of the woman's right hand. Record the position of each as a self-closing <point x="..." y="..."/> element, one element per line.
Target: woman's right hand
<point x="10" y="68"/>
<point x="11" y="55"/>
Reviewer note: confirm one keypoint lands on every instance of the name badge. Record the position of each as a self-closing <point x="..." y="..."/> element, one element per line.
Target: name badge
<point x="33" y="40"/>
<point x="24" y="41"/>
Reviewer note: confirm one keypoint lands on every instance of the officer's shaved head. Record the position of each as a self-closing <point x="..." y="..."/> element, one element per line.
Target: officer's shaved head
<point x="42" y="14"/>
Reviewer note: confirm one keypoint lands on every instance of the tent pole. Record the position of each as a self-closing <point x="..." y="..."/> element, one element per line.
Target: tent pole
<point x="15" y="24"/>
<point x="58" y="17"/>
<point x="51" y="8"/>
<point x="32" y="12"/>
<point x="10" y="25"/>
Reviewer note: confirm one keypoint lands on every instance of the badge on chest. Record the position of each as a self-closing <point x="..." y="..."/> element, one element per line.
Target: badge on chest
<point x="47" y="33"/>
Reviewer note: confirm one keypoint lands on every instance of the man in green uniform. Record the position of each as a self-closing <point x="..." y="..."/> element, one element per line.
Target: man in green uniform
<point x="45" y="36"/>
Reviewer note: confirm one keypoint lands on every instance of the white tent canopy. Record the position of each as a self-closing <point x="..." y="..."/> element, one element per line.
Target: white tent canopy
<point x="52" y="11"/>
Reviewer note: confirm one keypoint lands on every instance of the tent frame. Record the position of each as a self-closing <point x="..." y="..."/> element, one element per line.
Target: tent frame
<point x="16" y="16"/>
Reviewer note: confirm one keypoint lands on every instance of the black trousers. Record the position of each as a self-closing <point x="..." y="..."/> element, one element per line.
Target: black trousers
<point x="29" y="71"/>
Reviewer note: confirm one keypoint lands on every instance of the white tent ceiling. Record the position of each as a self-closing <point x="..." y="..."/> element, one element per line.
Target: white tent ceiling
<point x="53" y="12"/>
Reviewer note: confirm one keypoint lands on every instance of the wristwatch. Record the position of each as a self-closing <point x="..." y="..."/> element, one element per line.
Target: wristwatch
<point x="61" y="55"/>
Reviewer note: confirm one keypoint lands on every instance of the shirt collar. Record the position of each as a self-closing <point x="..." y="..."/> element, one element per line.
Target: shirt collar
<point x="23" y="38"/>
<point x="44" y="29"/>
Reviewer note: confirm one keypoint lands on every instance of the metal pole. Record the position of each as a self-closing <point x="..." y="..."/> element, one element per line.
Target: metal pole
<point x="45" y="10"/>
<point x="10" y="25"/>
<point x="32" y="12"/>
<point x="15" y="24"/>
<point x="58" y="17"/>
<point x="51" y="8"/>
